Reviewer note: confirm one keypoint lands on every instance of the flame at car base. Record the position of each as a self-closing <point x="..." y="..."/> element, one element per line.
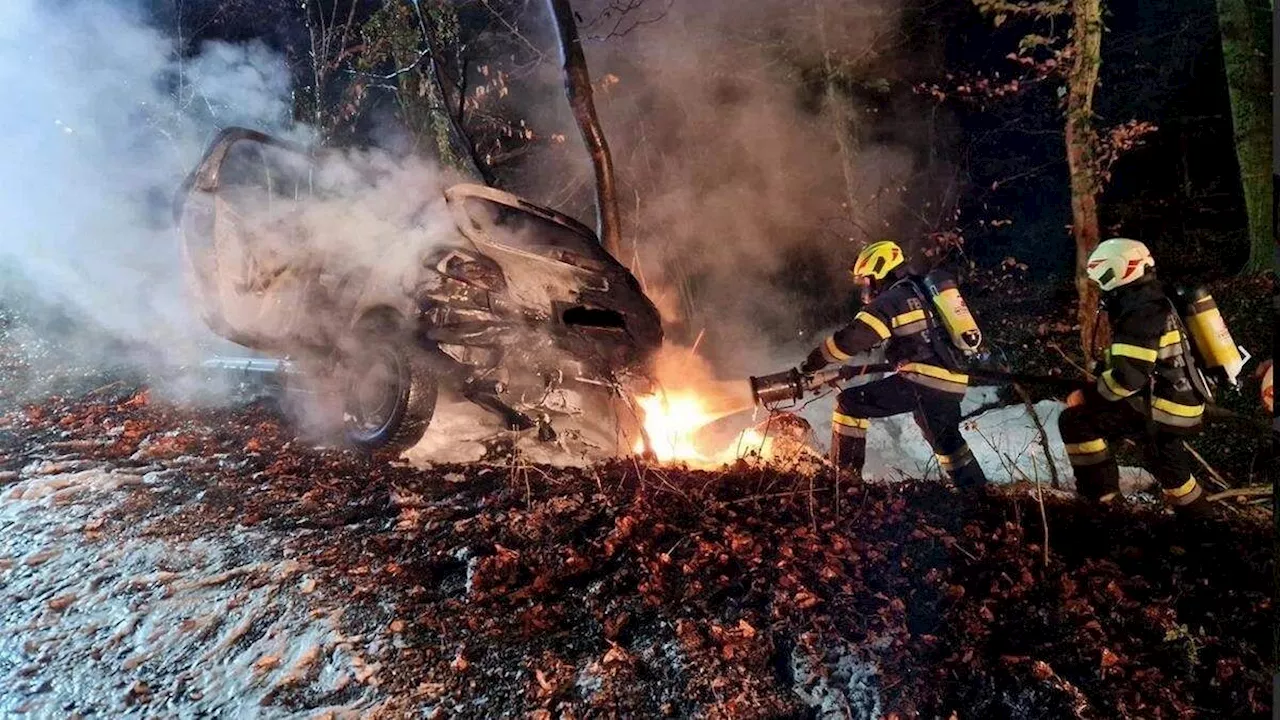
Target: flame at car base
<point x="692" y="417"/>
<point x="672" y="421"/>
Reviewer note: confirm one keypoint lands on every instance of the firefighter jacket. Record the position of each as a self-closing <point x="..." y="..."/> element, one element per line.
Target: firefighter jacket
<point x="1149" y="350"/>
<point x="904" y="319"/>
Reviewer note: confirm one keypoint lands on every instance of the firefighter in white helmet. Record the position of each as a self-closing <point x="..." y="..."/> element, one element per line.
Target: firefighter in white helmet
<point x="1146" y="390"/>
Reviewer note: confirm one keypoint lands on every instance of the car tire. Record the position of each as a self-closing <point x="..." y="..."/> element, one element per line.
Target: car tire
<point x="389" y="395"/>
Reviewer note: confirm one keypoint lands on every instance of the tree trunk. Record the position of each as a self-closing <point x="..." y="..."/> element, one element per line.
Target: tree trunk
<point x="577" y="85"/>
<point x="1081" y="143"/>
<point x="1247" y="52"/>
<point x="841" y="115"/>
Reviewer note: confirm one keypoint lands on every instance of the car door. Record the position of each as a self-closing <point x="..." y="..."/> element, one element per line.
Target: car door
<point x="247" y="260"/>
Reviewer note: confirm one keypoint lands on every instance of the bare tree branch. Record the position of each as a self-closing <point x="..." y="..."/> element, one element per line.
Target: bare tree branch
<point x="577" y="81"/>
<point x="617" y="14"/>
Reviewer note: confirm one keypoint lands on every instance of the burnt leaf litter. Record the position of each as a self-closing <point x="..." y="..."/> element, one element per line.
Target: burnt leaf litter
<point x="627" y="590"/>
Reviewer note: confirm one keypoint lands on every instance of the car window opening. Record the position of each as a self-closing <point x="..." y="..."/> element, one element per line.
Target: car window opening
<point x="582" y="316"/>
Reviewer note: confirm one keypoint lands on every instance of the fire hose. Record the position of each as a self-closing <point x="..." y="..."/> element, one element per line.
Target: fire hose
<point x="774" y="392"/>
<point x="769" y="391"/>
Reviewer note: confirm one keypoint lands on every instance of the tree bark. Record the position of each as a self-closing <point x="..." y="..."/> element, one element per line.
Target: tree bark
<point x="1082" y="150"/>
<point x="1245" y="26"/>
<point x="577" y="85"/>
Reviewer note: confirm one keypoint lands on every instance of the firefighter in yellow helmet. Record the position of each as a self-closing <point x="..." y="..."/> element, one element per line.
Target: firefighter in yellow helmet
<point x="1146" y="390"/>
<point x="929" y="382"/>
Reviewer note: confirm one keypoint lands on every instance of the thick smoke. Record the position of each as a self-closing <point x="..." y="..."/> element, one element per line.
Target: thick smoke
<point x="342" y="215"/>
<point x="103" y="121"/>
<point x="749" y="185"/>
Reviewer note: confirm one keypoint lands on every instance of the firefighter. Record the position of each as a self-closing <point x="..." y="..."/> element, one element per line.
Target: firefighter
<point x="1146" y="390"/>
<point x="928" y="383"/>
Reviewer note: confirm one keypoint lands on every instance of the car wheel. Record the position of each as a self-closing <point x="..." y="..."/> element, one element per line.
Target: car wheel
<point x="390" y="396"/>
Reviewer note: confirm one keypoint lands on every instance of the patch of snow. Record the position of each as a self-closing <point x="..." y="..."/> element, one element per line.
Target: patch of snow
<point x="842" y="686"/>
<point x="464" y="554"/>
<point x="106" y="624"/>
<point x="977" y="397"/>
<point x="589" y="680"/>
<point x="1004" y="441"/>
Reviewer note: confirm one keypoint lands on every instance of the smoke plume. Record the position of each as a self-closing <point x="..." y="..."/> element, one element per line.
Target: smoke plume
<point x="750" y="181"/>
<point x="103" y="120"/>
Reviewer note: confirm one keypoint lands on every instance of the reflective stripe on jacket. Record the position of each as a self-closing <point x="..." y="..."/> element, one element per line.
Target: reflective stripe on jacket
<point x="1148" y="348"/>
<point x="905" y="322"/>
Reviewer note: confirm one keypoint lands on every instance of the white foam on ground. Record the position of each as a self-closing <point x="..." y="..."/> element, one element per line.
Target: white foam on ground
<point x="841" y="687"/>
<point x="135" y="624"/>
<point x="460" y="432"/>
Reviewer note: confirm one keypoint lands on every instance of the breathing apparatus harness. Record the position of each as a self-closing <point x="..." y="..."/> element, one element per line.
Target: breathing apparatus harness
<point x="946" y="340"/>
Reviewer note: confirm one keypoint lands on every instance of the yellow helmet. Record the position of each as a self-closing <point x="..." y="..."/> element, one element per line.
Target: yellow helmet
<point x="877" y="260"/>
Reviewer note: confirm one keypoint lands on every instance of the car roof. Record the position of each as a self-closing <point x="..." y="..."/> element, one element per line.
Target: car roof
<point x="462" y="191"/>
<point x="205" y="173"/>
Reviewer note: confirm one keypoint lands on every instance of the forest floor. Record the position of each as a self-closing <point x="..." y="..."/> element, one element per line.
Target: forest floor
<point x="163" y="559"/>
<point x="159" y="559"/>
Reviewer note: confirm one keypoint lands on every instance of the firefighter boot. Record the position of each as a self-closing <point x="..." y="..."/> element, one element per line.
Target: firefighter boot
<point x="969" y="477"/>
<point x="1099" y="483"/>
<point x="962" y="468"/>
<point x="1189" y="500"/>
<point x="1096" y="473"/>
<point x="847" y="456"/>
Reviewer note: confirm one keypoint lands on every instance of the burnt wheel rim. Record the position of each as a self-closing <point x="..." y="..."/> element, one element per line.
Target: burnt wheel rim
<point x="375" y="394"/>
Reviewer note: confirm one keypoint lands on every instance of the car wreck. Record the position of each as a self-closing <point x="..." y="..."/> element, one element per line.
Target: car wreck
<point x="513" y="306"/>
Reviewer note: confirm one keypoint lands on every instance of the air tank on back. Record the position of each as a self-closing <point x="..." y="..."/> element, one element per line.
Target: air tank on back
<point x="955" y="314"/>
<point x="1212" y="342"/>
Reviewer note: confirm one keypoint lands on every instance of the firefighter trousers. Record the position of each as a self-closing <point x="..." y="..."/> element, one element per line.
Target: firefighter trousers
<point x="937" y="413"/>
<point x="1089" y="430"/>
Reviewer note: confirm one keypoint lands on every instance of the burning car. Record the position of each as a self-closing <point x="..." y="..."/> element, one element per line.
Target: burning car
<point x="514" y="306"/>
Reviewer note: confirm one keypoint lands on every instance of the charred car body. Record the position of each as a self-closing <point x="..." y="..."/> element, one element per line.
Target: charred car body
<point x="508" y="303"/>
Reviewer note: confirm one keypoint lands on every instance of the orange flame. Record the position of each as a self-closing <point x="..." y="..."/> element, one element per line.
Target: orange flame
<point x="672" y="422"/>
<point x="690" y="401"/>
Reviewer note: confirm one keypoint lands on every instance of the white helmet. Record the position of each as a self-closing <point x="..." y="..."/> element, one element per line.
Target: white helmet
<point x="1117" y="262"/>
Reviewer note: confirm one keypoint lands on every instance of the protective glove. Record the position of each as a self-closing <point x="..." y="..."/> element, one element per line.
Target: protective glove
<point x="814" y="362"/>
<point x="1099" y="367"/>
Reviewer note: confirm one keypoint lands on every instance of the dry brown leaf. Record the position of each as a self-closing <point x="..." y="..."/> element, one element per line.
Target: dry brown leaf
<point x="542" y="680"/>
<point x="615" y="655"/>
